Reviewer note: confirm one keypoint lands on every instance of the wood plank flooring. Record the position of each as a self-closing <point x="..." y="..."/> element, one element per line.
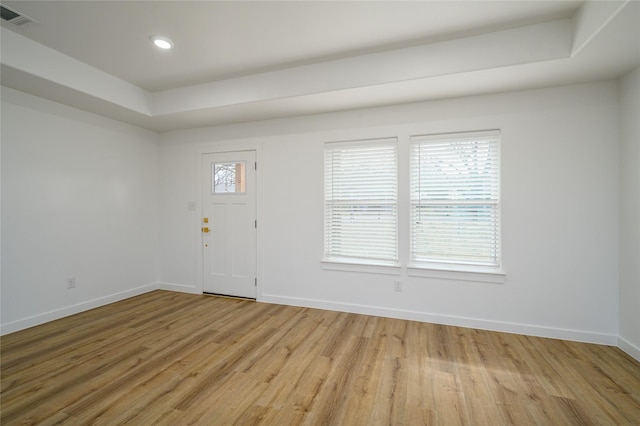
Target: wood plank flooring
<point x="174" y="359"/>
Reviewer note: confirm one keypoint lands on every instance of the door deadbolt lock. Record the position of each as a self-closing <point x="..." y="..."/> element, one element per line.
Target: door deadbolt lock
<point x="205" y="220"/>
<point x="205" y="229"/>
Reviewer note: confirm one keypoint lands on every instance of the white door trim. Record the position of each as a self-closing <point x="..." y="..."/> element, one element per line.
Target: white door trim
<point x="196" y="223"/>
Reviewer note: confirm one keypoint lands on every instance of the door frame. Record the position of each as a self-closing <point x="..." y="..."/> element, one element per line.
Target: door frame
<point x="196" y="222"/>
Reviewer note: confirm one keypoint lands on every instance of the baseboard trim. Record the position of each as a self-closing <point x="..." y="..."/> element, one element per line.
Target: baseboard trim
<point x="505" y="327"/>
<point x="32" y="321"/>
<point x="181" y="288"/>
<point x="628" y="347"/>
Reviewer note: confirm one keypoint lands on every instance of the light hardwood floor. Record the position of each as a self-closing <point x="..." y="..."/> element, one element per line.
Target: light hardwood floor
<point x="172" y="358"/>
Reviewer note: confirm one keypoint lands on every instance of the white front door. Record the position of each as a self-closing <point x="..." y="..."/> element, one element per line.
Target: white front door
<point x="229" y="223"/>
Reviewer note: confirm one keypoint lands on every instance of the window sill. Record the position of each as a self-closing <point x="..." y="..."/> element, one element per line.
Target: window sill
<point x="389" y="268"/>
<point x="470" y="273"/>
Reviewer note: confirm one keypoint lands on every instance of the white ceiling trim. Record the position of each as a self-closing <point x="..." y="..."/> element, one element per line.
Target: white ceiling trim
<point x="42" y="71"/>
<point x="591" y="18"/>
<point x="30" y="57"/>
<point x="533" y="43"/>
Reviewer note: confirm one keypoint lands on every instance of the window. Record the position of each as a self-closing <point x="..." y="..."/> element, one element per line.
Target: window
<point x="455" y="201"/>
<point x="228" y="178"/>
<point x="361" y="201"/>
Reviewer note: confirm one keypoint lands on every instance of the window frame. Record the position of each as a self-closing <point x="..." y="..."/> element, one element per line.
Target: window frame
<point x="404" y="265"/>
<point x="331" y="258"/>
<point x="473" y="271"/>
<point x="239" y="178"/>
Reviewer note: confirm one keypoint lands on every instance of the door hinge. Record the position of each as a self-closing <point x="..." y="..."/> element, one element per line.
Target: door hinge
<point x="255" y="165"/>
<point x="256" y="282"/>
<point x="255" y="224"/>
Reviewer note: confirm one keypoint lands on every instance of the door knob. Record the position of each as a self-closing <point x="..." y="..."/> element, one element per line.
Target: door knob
<point x="205" y="229"/>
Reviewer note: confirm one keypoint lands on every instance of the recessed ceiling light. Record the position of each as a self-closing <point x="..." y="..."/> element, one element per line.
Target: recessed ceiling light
<point x="162" y="42"/>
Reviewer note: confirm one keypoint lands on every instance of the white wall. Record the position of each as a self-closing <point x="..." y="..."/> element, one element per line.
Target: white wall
<point x="79" y="198"/>
<point x="560" y="212"/>
<point x="630" y="213"/>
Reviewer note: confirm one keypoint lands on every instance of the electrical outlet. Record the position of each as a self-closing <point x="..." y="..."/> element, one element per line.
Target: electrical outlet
<point x="71" y="282"/>
<point x="397" y="286"/>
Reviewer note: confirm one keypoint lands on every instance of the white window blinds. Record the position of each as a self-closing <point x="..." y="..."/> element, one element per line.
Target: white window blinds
<point x="455" y="199"/>
<point x="361" y="207"/>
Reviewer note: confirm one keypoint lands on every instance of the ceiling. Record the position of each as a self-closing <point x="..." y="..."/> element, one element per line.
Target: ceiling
<point x="243" y="61"/>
